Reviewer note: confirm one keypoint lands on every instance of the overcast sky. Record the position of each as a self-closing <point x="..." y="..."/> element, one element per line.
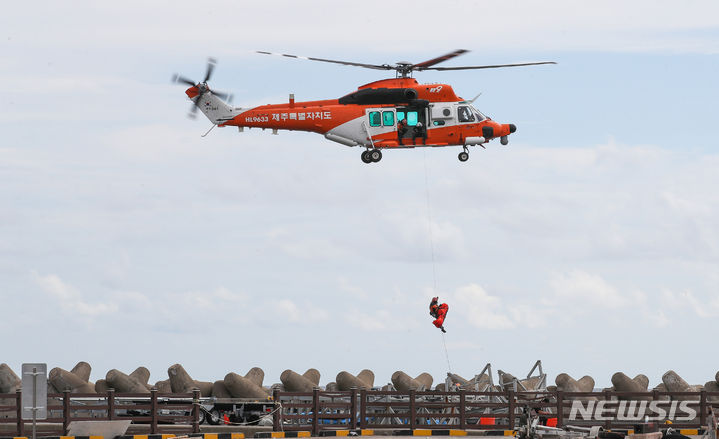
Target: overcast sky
<point x="591" y="242"/>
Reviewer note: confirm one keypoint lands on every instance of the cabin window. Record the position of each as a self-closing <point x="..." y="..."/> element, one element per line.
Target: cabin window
<point x="375" y="119"/>
<point x="388" y="118"/>
<point x="412" y="118"/>
<point x="464" y="114"/>
<point x="400" y="116"/>
<point x="438" y="122"/>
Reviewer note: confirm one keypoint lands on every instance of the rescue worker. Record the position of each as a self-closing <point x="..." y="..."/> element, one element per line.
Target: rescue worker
<point x="419" y="132"/>
<point x="401" y="129"/>
<point x="439" y="312"/>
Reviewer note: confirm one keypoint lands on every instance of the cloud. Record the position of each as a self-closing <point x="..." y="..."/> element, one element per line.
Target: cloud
<point x="287" y="311"/>
<point x="642" y="25"/>
<point x="482" y="309"/>
<point x="71" y="301"/>
<point x="579" y="286"/>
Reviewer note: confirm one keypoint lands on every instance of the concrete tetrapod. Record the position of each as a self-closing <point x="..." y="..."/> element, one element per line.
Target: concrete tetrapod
<point x="141" y="374"/>
<point x="426" y="380"/>
<point x="346" y="381"/>
<point x="367" y="376"/>
<point x="100" y="386"/>
<point x="242" y="387"/>
<point x="674" y="382"/>
<point x="9" y="382"/>
<point x="63" y="380"/>
<point x="403" y="382"/>
<point x="565" y="383"/>
<point x="124" y="383"/>
<point x="586" y="383"/>
<point x="712" y="386"/>
<point x="622" y="383"/>
<point x="256" y="375"/>
<point x="205" y="388"/>
<point x="716" y="377"/>
<point x="294" y="382"/>
<point x="180" y="380"/>
<point x="163" y="386"/>
<point x="331" y="387"/>
<point x="219" y="390"/>
<point x="312" y="375"/>
<point x="82" y="370"/>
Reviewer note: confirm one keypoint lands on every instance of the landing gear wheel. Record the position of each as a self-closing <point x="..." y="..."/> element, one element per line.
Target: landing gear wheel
<point x="463" y="156"/>
<point x="365" y="157"/>
<point x="375" y="155"/>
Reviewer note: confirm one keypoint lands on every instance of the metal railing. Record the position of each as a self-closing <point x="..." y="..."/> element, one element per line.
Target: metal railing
<point x="373" y="409"/>
<point x="161" y="412"/>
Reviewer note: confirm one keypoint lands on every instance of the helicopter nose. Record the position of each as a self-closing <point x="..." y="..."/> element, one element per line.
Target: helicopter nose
<point x="512" y="127"/>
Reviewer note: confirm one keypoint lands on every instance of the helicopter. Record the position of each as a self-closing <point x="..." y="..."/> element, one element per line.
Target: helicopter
<point x="382" y="115"/>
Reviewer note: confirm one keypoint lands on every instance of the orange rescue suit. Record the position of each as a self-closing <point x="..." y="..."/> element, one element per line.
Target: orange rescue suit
<point x="439" y="312"/>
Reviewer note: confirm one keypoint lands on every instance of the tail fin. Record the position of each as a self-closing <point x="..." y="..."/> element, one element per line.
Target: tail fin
<point x="214" y="108"/>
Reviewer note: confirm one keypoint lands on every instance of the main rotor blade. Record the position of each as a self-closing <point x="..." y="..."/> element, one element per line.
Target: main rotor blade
<point x="178" y="78"/>
<point x="210" y="67"/>
<point x="486" y="67"/>
<point x="195" y="106"/>
<point x="347" y="63"/>
<point x="440" y="59"/>
<point x="221" y="95"/>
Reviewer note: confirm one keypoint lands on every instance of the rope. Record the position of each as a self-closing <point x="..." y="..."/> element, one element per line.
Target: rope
<point x="429" y="222"/>
<point x="449" y="366"/>
<point x="431" y="247"/>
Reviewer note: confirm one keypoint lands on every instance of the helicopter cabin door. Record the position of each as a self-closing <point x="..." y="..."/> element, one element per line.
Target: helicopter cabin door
<point x="380" y="121"/>
<point x="416" y="124"/>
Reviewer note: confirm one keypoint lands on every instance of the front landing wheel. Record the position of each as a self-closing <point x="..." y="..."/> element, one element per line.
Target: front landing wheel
<point x="463" y="156"/>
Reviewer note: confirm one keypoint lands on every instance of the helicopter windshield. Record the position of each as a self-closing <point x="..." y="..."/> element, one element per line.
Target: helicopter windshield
<point x="478" y="114"/>
<point x="467" y="113"/>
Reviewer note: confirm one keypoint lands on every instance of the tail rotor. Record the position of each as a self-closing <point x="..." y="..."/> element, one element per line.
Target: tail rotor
<point x="197" y="90"/>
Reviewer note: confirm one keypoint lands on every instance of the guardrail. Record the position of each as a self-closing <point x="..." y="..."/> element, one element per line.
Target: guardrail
<point x="369" y="409"/>
<point x="157" y="410"/>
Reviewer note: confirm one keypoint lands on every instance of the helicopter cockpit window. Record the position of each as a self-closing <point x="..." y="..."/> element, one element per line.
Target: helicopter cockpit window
<point x="375" y="119"/>
<point x="480" y="116"/>
<point x="464" y="114"/>
<point x="388" y="118"/>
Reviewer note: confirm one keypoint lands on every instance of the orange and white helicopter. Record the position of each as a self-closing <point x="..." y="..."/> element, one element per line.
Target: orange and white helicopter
<point x="385" y="114"/>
